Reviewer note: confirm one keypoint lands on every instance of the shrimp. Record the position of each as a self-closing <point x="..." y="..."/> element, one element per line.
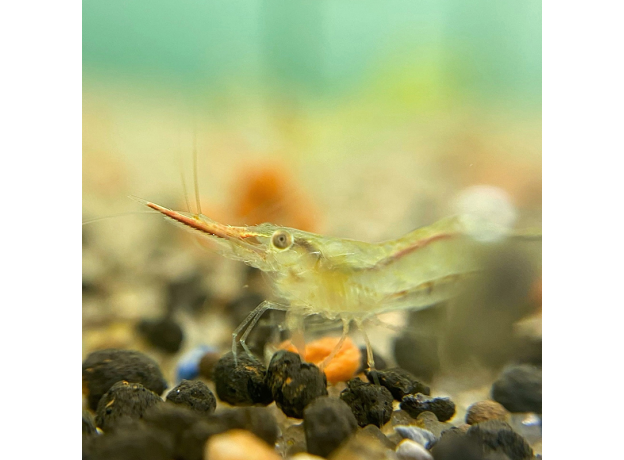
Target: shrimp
<point x="344" y="279"/>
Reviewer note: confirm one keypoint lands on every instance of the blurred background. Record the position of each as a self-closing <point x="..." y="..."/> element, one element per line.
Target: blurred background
<point x="360" y="119"/>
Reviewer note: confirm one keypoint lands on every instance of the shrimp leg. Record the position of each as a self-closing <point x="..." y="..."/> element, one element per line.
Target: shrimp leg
<point x="295" y="324"/>
<point x="249" y="324"/>
<point x="370" y="360"/>
<point x="345" y="332"/>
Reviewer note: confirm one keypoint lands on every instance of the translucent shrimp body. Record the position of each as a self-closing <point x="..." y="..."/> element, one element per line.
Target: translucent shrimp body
<point x="341" y="278"/>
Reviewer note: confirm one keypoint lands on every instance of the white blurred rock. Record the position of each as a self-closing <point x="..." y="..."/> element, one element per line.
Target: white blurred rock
<point x="411" y="450"/>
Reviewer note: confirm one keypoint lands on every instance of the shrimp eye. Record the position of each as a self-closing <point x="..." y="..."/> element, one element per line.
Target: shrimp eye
<point x="282" y="240"/>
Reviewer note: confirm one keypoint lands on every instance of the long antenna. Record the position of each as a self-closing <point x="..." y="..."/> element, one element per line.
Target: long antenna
<point x="197" y="202"/>
<point x="184" y="188"/>
<point x="121" y="214"/>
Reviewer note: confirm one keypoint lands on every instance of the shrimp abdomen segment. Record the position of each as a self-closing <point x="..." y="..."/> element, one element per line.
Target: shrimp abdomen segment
<point x="427" y="294"/>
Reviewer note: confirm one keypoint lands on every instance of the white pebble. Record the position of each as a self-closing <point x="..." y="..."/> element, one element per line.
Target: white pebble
<point x="411" y="450"/>
<point x="423" y="437"/>
<point x="487" y="211"/>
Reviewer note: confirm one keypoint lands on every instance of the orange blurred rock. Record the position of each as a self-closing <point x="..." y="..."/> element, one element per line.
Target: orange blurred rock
<point x="342" y="367"/>
<point x="239" y="445"/>
<point x="268" y="193"/>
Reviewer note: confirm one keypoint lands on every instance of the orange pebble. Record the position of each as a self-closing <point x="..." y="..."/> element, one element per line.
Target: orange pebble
<point x="342" y="367"/>
<point x="269" y="193"/>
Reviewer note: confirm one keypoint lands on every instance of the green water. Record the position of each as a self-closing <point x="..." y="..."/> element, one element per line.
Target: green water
<point x="319" y="48"/>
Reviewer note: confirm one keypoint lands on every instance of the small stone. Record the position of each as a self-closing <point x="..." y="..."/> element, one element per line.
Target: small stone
<point x="122" y="402"/>
<point x="191" y="443"/>
<point x="259" y="420"/>
<point x="529" y="426"/>
<point x="418" y="354"/>
<point x="327" y="423"/>
<point x="411" y="450"/>
<point x="88" y="423"/>
<point x="292" y="441"/>
<point x="443" y="408"/>
<point x="400" y="417"/>
<point x="519" y="389"/>
<point x="180" y="424"/>
<point x="464" y="427"/>
<point x="373" y="432"/>
<point x="164" y="334"/>
<point x="135" y="442"/>
<point x="495" y="436"/>
<point x="482" y="411"/>
<point x="453" y="431"/>
<point x="195" y="395"/>
<point x="398" y="381"/>
<point x="188" y="367"/>
<point x="293" y="383"/>
<point x="455" y="445"/>
<point x="362" y="448"/>
<point x="241" y="383"/>
<point x="423" y="437"/>
<point x="429" y="421"/>
<point x="369" y="403"/>
<point x="103" y="368"/>
<point x="239" y="445"/>
<point x="190" y="430"/>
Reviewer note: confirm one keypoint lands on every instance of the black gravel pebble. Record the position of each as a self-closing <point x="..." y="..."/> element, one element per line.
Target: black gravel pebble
<point x="327" y="422"/>
<point x="88" y="423"/>
<point x="122" y="402"/>
<point x="498" y="437"/>
<point x="137" y="442"/>
<point x="192" y="441"/>
<point x="164" y="334"/>
<point x="187" y="293"/>
<point x="178" y="422"/>
<point x="259" y="420"/>
<point x="102" y="369"/>
<point x="172" y="418"/>
<point x="380" y="362"/>
<point x="243" y="383"/>
<point x="443" y="408"/>
<point x="293" y="383"/>
<point x="519" y="389"/>
<point x="455" y="445"/>
<point x="190" y="430"/>
<point x="418" y="354"/>
<point x="371" y="404"/>
<point x="195" y="395"/>
<point x="399" y="381"/>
